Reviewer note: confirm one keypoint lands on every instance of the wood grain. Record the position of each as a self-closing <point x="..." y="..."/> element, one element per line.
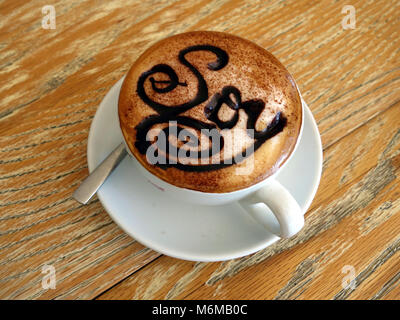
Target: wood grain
<point x="51" y="82"/>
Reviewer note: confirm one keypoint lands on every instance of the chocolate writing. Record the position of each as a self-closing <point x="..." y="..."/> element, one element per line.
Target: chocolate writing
<point x="229" y="95"/>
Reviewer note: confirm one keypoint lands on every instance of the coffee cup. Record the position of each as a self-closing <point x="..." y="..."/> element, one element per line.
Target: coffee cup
<point x="203" y="93"/>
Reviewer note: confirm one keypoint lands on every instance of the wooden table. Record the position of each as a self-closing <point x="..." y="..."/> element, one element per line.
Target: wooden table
<point x="52" y="81"/>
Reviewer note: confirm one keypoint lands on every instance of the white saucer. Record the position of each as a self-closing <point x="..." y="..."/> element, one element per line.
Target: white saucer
<point x="197" y="233"/>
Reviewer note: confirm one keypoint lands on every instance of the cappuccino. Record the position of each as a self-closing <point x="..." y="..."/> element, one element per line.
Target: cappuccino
<point x="209" y="111"/>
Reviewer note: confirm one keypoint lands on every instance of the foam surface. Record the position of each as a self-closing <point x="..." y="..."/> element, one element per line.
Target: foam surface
<point x="255" y="84"/>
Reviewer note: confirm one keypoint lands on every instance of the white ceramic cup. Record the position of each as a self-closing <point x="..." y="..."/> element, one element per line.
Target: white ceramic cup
<point x="268" y="202"/>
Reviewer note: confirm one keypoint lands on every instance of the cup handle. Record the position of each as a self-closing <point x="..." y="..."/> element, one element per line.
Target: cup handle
<point x="284" y="218"/>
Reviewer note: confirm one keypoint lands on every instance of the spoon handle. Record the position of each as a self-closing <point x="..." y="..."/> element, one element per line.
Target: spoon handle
<point x="94" y="181"/>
